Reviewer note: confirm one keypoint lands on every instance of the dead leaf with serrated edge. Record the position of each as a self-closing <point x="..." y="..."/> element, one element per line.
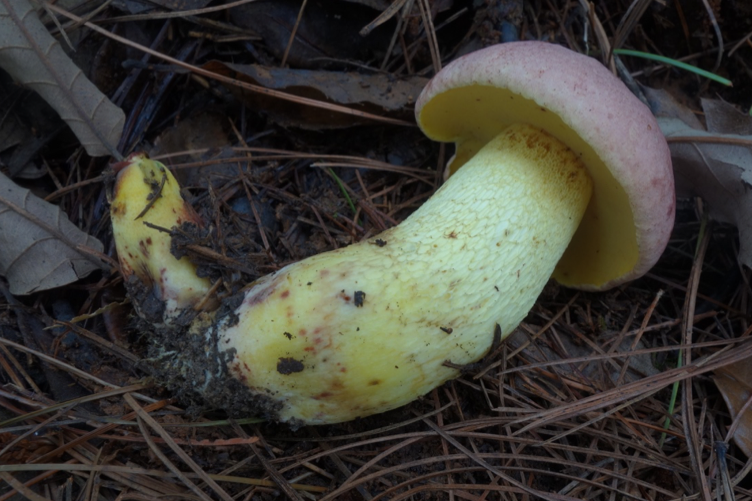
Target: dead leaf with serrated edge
<point x="39" y="247"/>
<point x="30" y="54"/>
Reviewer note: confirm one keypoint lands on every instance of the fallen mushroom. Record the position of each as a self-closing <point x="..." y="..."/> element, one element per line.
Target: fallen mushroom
<point x="147" y="203"/>
<point x="564" y="173"/>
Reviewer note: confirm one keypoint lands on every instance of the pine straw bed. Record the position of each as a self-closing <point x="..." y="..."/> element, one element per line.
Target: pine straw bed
<point x="595" y="396"/>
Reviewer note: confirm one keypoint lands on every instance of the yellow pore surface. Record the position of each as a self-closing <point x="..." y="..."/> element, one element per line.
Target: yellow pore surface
<point x="368" y="328"/>
<point x="146" y="251"/>
<point x="605" y="245"/>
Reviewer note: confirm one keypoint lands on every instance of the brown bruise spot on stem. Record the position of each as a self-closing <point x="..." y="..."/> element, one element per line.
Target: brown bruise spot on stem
<point x="260" y="294"/>
<point x="116" y="209"/>
<point x="238" y="373"/>
<point x="144" y="246"/>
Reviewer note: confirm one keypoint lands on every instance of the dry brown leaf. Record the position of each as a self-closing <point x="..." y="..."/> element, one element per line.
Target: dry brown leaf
<point x="30" y="54"/>
<point x="206" y="130"/>
<point x="718" y="168"/>
<point x="723" y="117"/>
<point x="714" y="164"/>
<point x="39" y="246"/>
<point x="735" y="383"/>
<point x="377" y="94"/>
<point x="325" y="32"/>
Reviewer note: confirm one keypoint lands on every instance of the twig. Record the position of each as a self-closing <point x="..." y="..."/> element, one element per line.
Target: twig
<point x="690" y="430"/>
<point x="278" y="479"/>
<point x="144" y="417"/>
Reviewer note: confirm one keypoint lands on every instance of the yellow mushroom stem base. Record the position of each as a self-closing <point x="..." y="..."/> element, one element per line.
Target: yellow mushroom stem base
<point x="145" y="191"/>
<point x="367" y="328"/>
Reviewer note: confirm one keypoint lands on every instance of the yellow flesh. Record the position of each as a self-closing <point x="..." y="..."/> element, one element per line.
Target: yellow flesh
<point x="607" y="227"/>
<point x="475" y="255"/>
<point x="144" y="251"/>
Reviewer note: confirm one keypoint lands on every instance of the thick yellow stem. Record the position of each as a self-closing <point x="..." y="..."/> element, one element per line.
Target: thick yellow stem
<point x="146" y="192"/>
<point x="368" y="328"/>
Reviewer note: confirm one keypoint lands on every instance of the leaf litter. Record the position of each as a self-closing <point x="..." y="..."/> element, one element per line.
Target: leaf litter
<point x="34" y="58"/>
<point x="716" y="165"/>
<point x="573" y="407"/>
<point x="40" y="248"/>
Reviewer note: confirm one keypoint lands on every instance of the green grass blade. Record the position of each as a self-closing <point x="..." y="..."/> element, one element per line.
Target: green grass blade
<point x="674" y="62"/>
<point x="343" y="189"/>
<point x="675" y="389"/>
<point x="671" y="404"/>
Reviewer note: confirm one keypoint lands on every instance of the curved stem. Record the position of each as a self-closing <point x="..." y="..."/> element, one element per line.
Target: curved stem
<point x="368" y="328"/>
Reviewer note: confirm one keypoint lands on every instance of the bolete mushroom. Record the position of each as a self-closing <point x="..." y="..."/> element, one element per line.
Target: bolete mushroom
<point x="148" y="195"/>
<point x="560" y="171"/>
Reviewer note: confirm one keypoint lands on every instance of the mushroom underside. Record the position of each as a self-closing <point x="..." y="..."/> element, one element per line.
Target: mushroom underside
<point x="605" y="247"/>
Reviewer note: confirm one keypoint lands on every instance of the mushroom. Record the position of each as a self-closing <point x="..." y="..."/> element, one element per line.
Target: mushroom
<point x="559" y="171"/>
<point x="575" y="99"/>
<point x="146" y="192"/>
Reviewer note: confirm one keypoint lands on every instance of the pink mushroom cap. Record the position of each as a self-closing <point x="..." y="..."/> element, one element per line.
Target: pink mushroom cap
<point x="577" y="100"/>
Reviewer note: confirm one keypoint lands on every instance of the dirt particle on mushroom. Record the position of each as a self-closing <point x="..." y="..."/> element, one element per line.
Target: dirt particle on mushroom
<point x="288" y="365"/>
<point x="359" y="298"/>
